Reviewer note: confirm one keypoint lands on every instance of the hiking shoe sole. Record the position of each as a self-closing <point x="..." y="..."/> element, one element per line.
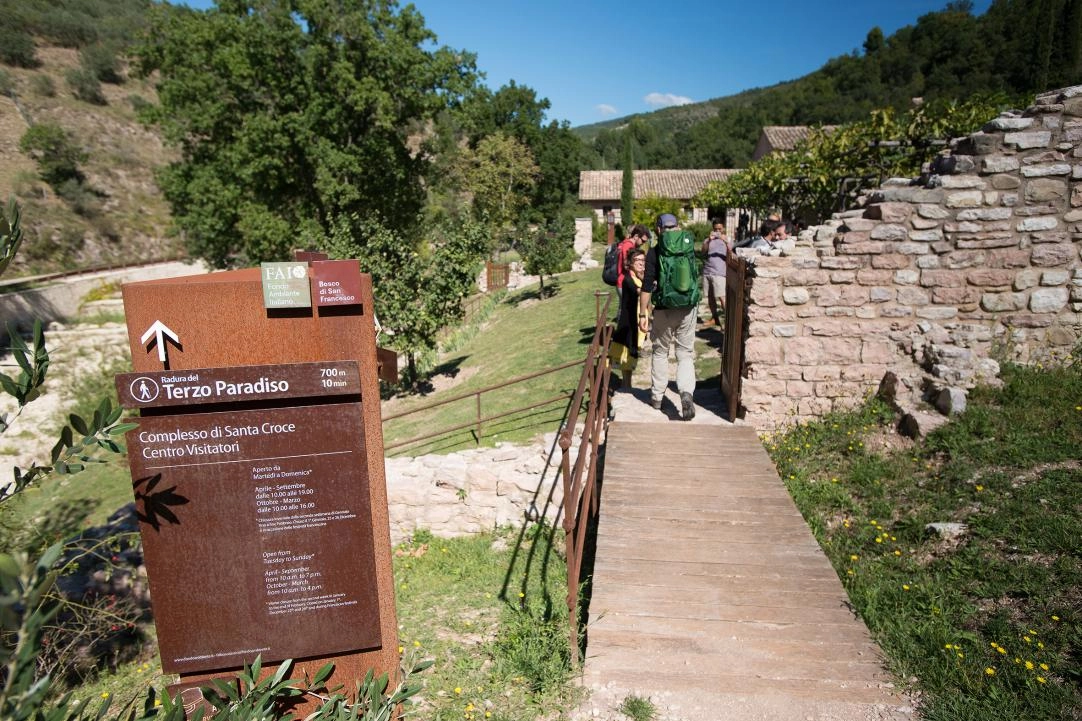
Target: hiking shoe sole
<point x="687" y="406"/>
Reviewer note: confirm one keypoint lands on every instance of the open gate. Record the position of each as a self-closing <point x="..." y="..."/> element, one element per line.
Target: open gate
<point x="732" y="352"/>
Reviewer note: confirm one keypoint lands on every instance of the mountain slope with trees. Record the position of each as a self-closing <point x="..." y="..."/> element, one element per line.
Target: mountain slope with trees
<point x="1017" y="47"/>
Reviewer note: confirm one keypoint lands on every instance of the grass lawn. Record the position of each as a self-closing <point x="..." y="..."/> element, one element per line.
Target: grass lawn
<point x="522" y="335"/>
<point x="989" y="623"/>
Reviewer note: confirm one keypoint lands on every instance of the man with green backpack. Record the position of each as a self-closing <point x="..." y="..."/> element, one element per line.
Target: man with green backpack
<point x="671" y="283"/>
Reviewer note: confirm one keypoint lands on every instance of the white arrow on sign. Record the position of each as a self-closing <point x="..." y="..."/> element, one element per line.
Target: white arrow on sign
<point x="160" y="331"/>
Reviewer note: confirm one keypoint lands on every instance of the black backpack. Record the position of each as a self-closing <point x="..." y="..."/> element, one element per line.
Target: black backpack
<point x="611" y="270"/>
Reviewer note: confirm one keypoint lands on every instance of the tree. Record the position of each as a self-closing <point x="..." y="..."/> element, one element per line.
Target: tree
<point x="57" y="156"/>
<point x="548" y="249"/>
<point x="499" y="174"/>
<point x="418" y="286"/>
<point x="291" y="115"/>
<point x="627" y="187"/>
<point x="648" y="209"/>
<point x="516" y="111"/>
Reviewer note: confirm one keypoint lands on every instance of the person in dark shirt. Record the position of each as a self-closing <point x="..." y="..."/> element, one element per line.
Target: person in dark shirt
<point x="626" y="339"/>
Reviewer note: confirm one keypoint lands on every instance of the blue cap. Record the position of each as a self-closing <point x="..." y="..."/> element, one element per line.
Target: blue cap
<point x="667" y="220"/>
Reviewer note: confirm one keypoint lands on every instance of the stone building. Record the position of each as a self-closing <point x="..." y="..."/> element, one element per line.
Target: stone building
<point x="600" y="189"/>
<point x="935" y="280"/>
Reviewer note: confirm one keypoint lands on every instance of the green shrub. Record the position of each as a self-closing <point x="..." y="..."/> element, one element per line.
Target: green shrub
<point x="138" y="102"/>
<point x="85" y="86"/>
<point x="83" y="200"/>
<point x="17" y="48"/>
<point x="67" y="29"/>
<point x="599" y="230"/>
<point x="637" y="708"/>
<point x="100" y="60"/>
<point x="57" y="156"/>
<point x="532" y="645"/>
<point x="649" y="208"/>
<point x="7" y="83"/>
<point x="43" y="85"/>
<point x="699" y="230"/>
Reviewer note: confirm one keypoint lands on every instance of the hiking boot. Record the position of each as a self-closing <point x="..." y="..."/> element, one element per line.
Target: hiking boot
<point x="656" y="403"/>
<point x="687" y="406"/>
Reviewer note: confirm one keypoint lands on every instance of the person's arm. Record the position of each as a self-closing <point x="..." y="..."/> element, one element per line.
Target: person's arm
<point x="644" y="308"/>
<point x="649" y="280"/>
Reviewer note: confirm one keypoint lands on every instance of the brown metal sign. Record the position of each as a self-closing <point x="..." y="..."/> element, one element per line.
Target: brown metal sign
<point x="257" y="534"/>
<point x="238" y="383"/>
<point x="336" y="282"/>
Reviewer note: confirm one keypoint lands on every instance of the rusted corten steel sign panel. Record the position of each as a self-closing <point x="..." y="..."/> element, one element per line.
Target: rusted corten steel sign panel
<point x="258" y="469"/>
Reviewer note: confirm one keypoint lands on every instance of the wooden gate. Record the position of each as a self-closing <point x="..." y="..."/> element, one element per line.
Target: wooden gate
<point x="497" y="275"/>
<point x="732" y="353"/>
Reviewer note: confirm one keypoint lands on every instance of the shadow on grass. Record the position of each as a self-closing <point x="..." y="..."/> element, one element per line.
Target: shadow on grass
<point x="64" y="519"/>
<point x="536" y="543"/>
<point x="536" y="549"/>
<point x="450" y="368"/>
<point x="551" y="290"/>
<point x="532" y="419"/>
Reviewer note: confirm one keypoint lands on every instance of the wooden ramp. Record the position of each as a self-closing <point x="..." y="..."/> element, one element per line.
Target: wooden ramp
<point x="710" y="594"/>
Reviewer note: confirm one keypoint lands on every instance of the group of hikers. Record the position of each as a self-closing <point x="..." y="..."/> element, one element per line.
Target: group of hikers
<point x="659" y="290"/>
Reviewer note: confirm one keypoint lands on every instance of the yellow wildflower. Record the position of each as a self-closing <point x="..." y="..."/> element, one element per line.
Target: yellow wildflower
<point x="990" y="671"/>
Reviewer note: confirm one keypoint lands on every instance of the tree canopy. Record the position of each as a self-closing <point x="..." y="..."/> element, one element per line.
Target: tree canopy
<point x="291" y="113"/>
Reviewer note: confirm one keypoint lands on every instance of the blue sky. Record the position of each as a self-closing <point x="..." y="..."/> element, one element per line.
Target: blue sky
<point x="600" y="59"/>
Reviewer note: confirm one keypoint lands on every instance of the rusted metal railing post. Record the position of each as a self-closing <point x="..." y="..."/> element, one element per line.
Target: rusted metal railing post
<point x="478" y="418"/>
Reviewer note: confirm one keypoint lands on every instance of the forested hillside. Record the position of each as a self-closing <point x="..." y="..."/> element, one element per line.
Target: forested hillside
<point x="1018" y="48"/>
<point x="72" y="151"/>
<point x="76" y="79"/>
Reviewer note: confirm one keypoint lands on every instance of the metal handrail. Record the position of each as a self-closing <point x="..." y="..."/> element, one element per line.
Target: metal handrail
<point x="479" y="420"/>
<point x="579" y="483"/>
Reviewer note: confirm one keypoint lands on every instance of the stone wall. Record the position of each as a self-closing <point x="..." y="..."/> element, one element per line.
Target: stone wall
<point x="473" y="491"/>
<point x="930" y="279"/>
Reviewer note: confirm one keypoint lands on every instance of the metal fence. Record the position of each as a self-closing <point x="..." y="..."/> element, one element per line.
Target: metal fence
<point x="580" y="480"/>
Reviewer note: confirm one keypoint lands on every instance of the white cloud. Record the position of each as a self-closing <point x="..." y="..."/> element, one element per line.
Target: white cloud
<point x="606" y="109"/>
<point x="664" y="100"/>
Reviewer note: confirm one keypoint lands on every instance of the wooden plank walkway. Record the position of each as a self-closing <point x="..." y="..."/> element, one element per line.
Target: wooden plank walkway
<point x="710" y="594"/>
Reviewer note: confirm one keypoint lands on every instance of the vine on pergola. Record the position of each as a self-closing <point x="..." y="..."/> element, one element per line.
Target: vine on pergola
<point x="832" y="166"/>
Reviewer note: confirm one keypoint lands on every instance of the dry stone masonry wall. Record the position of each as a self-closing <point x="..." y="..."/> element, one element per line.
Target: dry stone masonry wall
<point x="474" y="491"/>
<point x="930" y="279"/>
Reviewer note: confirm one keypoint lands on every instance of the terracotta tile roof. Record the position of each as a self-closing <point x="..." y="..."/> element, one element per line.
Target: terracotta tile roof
<point x="785" y="137"/>
<point x="678" y="184"/>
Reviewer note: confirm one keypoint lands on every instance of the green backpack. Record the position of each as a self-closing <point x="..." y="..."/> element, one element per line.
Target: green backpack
<point x="677" y="271"/>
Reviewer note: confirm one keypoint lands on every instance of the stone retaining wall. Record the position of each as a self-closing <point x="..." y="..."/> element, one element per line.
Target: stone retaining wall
<point x="473" y="491"/>
<point x="929" y="278"/>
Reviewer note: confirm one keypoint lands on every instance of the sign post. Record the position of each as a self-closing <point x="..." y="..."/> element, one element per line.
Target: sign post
<point x="258" y="470"/>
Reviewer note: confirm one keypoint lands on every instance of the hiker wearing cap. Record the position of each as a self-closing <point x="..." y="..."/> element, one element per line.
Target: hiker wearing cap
<point x="715" y="248"/>
<point x="671" y="283"/>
